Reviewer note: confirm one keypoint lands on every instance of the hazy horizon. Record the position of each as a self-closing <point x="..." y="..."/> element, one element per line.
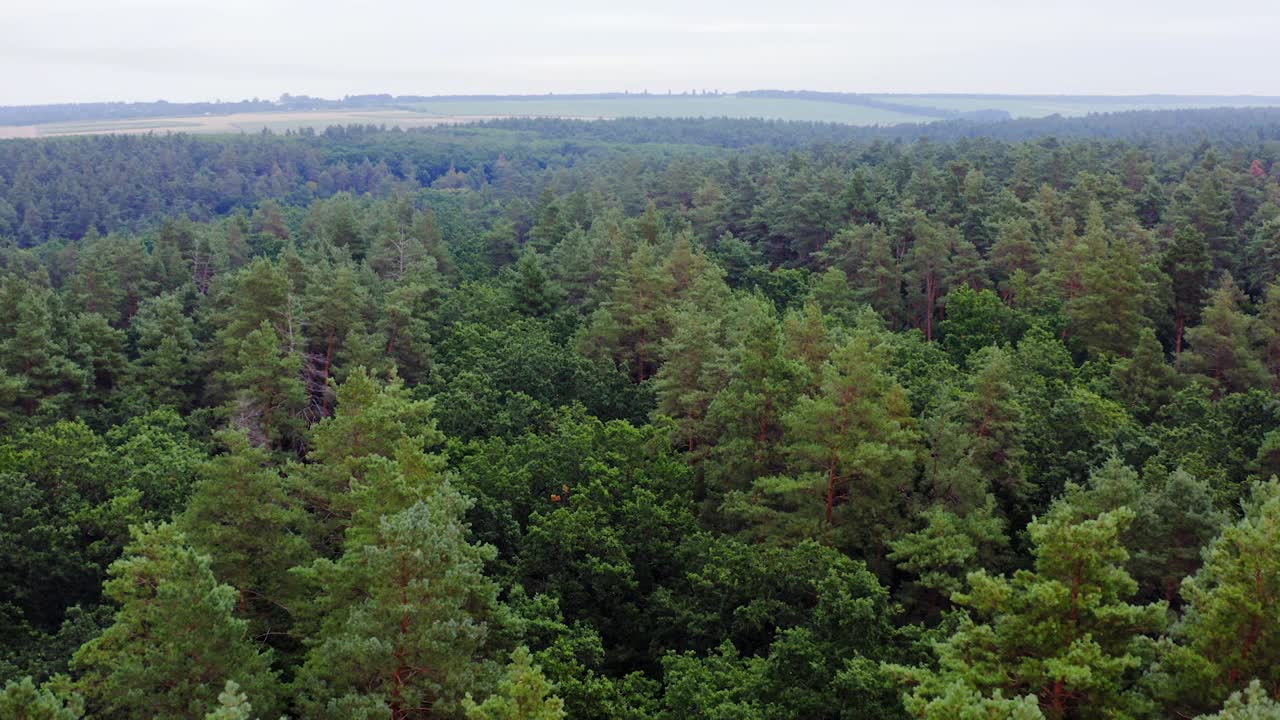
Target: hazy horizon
<point x="195" y="50"/>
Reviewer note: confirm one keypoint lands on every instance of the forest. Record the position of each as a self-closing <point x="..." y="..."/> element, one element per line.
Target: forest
<point x="725" y="419"/>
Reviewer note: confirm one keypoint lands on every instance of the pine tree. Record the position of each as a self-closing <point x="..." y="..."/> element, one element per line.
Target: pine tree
<point x="994" y="418"/>
<point x="1062" y="632"/>
<point x="243" y="515"/>
<point x="336" y="303"/>
<point x="523" y="693"/>
<point x="551" y="223"/>
<point x="632" y="324"/>
<point x="1213" y="214"/>
<point x="928" y="271"/>
<point x="502" y="244"/>
<point x="1230" y="633"/>
<point x="406" y="618"/>
<point x="1014" y="250"/>
<point x="1107" y="314"/>
<point x="1268" y="333"/>
<point x="268" y="397"/>
<point x="165" y="371"/>
<point x="1220" y="346"/>
<point x="865" y="255"/>
<point x="370" y="458"/>
<point x="1177" y="518"/>
<point x="407" y="312"/>
<point x="945" y="549"/>
<point x="99" y="351"/>
<point x="763" y="383"/>
<point x="261" y="301"/>
<point x="232" y="705"/>
<point x="534" y="293"/>
<point x="851" y="448"/>
<point x="692" y="373"/>
<point x="1144" y="382"/>
<point x="172" y="255"/>
<point x="1062" y="276"/>
<point x="1253" y="704"/>
<point x="31" y="349"/>
<point x="1186" y="262"/>
<point x="24" y="700"/>
<point x="808" y="339"/>
<point x="1262" y="257"/>
<point x="174" y="642"/>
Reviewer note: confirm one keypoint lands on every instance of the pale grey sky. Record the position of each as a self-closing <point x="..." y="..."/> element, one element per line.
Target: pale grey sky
<point x="182" y="50"/>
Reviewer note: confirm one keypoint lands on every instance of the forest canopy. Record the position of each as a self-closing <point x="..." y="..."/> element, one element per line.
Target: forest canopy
<point x="644" y="419"/>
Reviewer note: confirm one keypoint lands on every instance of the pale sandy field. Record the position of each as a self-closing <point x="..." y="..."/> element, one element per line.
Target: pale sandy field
<point x="240" y="122"/>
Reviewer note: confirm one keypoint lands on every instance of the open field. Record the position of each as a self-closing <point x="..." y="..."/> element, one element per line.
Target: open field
<point x="239" y="122"/>
<point x="425" y="113"/>
<point x="1034" y="106"/>
<point x="671" y="106"/>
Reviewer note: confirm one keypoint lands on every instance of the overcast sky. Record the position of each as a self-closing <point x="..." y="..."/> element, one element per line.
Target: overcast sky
<point x="181" y="50"/>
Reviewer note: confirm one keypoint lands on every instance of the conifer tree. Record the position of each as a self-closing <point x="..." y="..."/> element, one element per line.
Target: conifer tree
<point x="1268" y="333"/>
<point x="1061" y="275"/>
<point x="523" y="693"/>
<point x="261" y="291"/>
<point x="945" y="549"/>
<point x="1144" y="382"/>
<point x="994" y="418"/>
<point x="232" y="705"/>
<point x="1107" y="314"/>
<point x="864" y="253"/>
<point x="1186" y="262"/>
<point x="1230" y="633"/>
<point x="851" y="447"/>
<point x="763" y="383"/>
<point x="633" y="323"/>
<point x="534" y="292"/>
<point x="1252" y="704"/>
<point x="99" y="351"/>
<point x="172" y="255"/>
<point x="1220" y="345"/>
<point x="928" y="271"/>
<point x="268" y="397"/>
<point x="243" y="515"/>
<point x="174" y="642"/>
<point x="1177" y="518"/>
<point x="335" y="305"/>
<point x="165" y="371"/>
<point x="1262" y="256"/>
<point x="693" y="371"/>
<point x="1062" y="633"/>
<point x="406" y="618"/>
<point x="24" y="700"/>
<point x="371" y="457"/>
<point x="502" y="244"/>
<point x="408" y="309"/>
<point x="808" y="340"/>
<point x="32" y="350"/>
<point x="1014" y="251"/>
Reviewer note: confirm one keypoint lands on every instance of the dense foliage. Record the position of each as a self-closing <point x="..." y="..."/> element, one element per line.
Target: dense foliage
<point x="643" y="419"/>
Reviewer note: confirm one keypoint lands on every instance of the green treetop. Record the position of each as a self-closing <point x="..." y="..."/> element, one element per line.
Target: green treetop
<point x="174" y="642"/>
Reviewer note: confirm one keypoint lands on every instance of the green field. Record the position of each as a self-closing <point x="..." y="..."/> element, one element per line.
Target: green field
<point x="447" y="111"/>
<point x="1033" y="106"/>
<point x="671" y="106"/>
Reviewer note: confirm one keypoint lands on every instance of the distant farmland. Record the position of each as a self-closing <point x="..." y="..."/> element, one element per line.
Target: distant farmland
<point x="672" y="106"/>
<point x="235" y="123"/>
<point x="411" y="112"/>
<point x="1034" y="106"/>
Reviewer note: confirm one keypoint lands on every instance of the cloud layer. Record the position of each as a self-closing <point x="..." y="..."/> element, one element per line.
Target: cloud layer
<point x="83" y="50"/>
